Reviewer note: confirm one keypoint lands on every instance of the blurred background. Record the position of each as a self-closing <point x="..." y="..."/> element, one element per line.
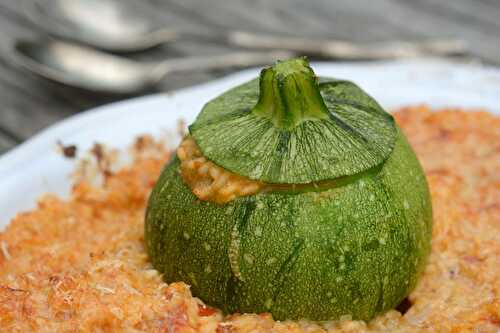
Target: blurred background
<point x="469" y="31"/>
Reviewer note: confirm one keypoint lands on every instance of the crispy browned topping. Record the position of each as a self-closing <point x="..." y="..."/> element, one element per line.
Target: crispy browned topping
<point x="79" y="265"/>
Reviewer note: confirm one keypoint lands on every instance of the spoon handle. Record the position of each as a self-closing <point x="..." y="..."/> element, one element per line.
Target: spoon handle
<point x="236" y="59"/>
<point x="347" y="50"/>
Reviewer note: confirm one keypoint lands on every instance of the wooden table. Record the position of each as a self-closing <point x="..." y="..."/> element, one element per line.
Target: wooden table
<point x="28" y="104"/>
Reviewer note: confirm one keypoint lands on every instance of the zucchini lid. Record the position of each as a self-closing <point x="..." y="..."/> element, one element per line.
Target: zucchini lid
<point x="289" y="127"/>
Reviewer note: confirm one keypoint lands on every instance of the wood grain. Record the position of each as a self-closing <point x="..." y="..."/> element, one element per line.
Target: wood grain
<point x="29" y="104"/>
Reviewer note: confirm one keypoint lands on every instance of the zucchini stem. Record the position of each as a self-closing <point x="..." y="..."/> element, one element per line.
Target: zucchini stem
<point x="290" y="95"/>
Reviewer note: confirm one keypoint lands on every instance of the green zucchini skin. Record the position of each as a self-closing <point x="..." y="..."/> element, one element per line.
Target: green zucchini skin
<point x="356" y="249"/>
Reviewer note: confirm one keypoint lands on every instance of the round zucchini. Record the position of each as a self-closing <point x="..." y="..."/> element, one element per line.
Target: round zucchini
<point x="352" y="241"/>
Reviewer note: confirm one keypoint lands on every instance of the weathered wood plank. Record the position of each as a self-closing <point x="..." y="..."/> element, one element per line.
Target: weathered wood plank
<point x="482" y="40"/>
<point x="482" y="15"/>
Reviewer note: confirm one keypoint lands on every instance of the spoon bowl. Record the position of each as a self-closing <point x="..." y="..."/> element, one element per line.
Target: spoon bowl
<point x="112" y="25"/>
<point x="81" y="67"/>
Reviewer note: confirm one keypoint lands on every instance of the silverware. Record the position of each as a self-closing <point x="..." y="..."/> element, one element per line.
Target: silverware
<point x="347" y="50"/>
<point x="93" y="70"/>
<point x="119" y="26"/>
<point x="113" y="25"/>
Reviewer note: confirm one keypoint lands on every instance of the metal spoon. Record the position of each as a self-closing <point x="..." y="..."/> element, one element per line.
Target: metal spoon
<point x="113" y="25"/>
<point x="121" y="26"/>
<point x="93" y="70"/>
